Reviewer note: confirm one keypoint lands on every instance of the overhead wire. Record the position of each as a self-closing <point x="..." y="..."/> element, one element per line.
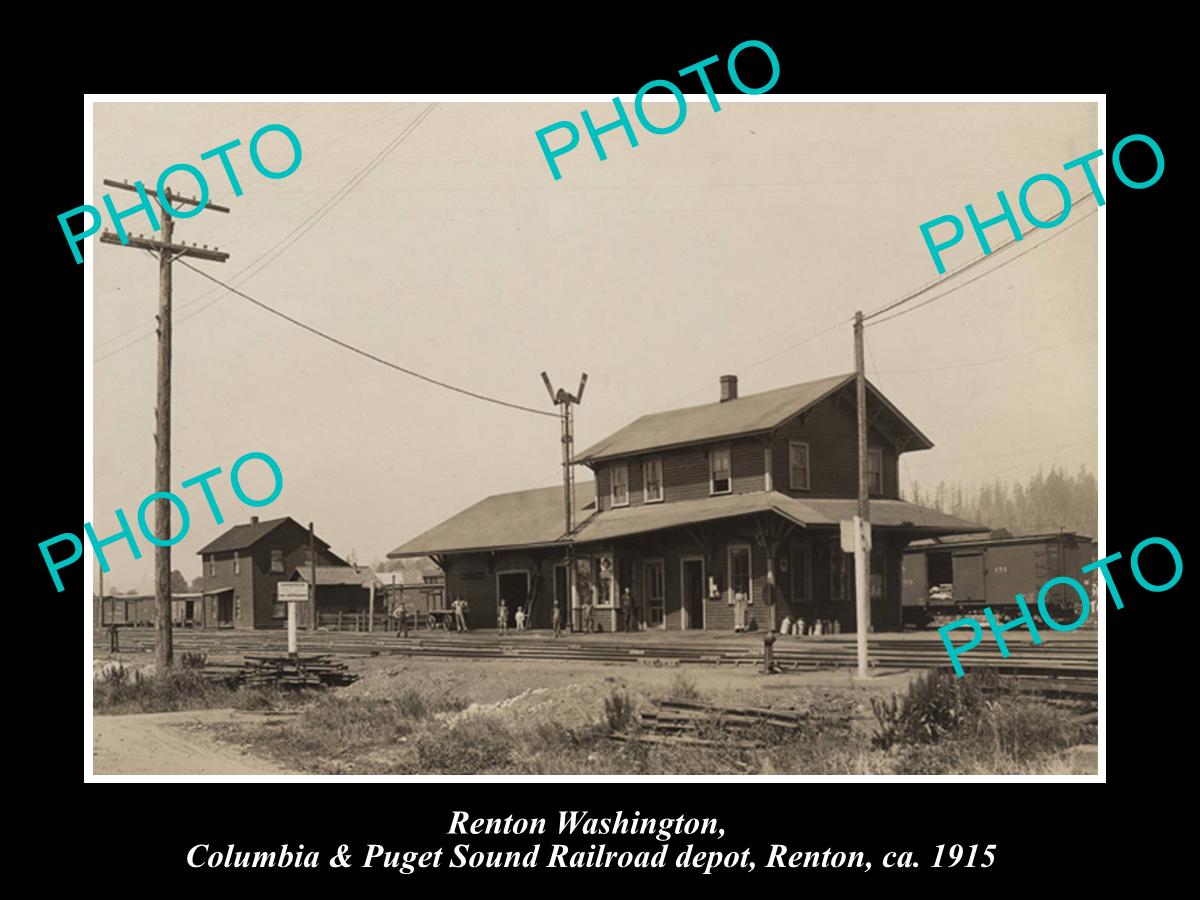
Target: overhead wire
<point x="942" y="279"/>
<point x="1001" y="265"/>
<point x="289" y="239"/>
<point x="365" y="353"/>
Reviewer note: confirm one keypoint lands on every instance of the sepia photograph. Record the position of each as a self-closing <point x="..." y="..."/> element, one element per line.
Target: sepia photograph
<point x="517" y="436"/>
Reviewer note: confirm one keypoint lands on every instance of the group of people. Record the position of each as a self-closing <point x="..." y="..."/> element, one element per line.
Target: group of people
<point x="400" y="616"/>
<point x="628" y="616"/>
<point x="502" y="617"/>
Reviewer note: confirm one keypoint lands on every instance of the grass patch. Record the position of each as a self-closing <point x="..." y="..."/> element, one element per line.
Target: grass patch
<point x="933" y="729"/>
<point x="336" y="730"/>
<point x="124" y="691"/>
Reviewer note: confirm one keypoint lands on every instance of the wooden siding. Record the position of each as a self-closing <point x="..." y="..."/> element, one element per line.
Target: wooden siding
<point x="254" y="586"/>
<point x="473" y="577"/>
<point x="831" y="432"/>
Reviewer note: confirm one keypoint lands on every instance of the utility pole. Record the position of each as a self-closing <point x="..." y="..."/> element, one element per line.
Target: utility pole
<point x="862" y="560"/>
<point x="167" y="252"/>
<point x="312" y="572"/>
<point x="566" y="402"/>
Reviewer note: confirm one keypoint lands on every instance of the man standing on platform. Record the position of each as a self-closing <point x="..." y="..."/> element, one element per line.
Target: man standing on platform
<point x="626" y="610"/>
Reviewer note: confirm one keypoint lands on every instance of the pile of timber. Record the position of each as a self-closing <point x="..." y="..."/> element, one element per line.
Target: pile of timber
<point x="318" y="671"/>
<point x="684" y="721"/>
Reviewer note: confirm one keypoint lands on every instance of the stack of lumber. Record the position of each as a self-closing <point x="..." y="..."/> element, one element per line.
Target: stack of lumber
<point x="321" y="670"/>
<point x="683" y="721"/>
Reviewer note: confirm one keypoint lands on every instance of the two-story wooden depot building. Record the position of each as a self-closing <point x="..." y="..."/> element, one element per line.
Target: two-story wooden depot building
<point x="692" y="505"/>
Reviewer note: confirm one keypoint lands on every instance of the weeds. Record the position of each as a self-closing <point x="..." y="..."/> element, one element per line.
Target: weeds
<point x="937" y="704"/>
<point x="472" y="745"/>
<point x="178" y="689"/>
<point x="618" y="710"/>
<point x="122" y="691"/>
<point x="938" y="726"/>
<point x="683" y="687"/>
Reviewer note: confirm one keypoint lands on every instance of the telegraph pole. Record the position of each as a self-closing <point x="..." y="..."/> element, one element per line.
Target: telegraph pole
<point x="566" y="401"/>
<point x="167" y="252"/>
<point x="312" y="571"/>
<point x="862" y="560"/>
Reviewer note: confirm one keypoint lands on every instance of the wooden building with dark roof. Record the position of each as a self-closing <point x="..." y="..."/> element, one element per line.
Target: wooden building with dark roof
<point x="243" y="565"/>
<point x="689" y="507"/>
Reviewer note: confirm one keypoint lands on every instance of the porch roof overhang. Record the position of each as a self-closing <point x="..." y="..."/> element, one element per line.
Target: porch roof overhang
<point x="893" y="515"/>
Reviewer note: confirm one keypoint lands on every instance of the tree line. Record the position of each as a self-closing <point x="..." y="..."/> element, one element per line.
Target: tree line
<point x="1048" y="501"/>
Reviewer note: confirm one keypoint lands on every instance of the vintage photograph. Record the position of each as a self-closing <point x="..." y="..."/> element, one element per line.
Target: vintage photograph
<point x="703" y="458"/>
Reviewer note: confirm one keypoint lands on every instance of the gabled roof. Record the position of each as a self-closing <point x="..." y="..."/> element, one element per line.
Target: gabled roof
<point x="355" y="575"/>
<point x="239" y="537"/>
<point x="504" y="521"/>
<point x="751" y="414"/>
<point x="410" y="571"/>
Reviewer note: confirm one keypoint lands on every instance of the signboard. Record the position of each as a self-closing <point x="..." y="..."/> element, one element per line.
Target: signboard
<point x="292" y="592"/>
<point x="847" y="529"/>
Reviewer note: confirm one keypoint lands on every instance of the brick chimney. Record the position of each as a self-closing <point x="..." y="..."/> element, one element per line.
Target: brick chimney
<point x="254" y="520"/>
<point x="728" y="387"/>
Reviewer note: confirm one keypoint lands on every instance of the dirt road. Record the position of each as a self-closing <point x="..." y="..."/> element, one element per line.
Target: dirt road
<point x="175" y="743"/>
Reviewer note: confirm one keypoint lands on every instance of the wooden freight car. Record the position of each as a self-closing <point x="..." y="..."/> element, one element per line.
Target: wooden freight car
<point x="950" y="577"/>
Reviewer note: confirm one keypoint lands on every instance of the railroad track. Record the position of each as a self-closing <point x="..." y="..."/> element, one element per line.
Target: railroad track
<point x="1075" y="658"/>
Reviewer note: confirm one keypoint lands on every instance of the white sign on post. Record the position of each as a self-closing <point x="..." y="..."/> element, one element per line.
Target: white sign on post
<point x="847" y="532"/>
<point x="291" y="593"/>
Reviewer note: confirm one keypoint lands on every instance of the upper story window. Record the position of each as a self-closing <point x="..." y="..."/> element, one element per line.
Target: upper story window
<point x="212" y="567"/>
<point x="652" y="482"/>
<point x="620" y="485"/>
<point x="798" y="465"/>
<point x="875" y="471"/>
<point x="237" y="564"/>
<point x="276" y="560"/>
<point x="720" y="478"/>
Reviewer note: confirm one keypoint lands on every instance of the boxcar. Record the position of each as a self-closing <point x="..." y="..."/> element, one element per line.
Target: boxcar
<point x="956" y="576"/>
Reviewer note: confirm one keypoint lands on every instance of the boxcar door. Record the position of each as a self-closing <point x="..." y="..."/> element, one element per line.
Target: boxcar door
<point x="968" y="579"/>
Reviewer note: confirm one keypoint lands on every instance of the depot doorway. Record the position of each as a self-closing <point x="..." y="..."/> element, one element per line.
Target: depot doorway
<point x="691" y="586"/>
<point x="513" y="588"/>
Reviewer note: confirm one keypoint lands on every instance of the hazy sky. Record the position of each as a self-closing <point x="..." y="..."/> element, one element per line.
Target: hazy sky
<point x="699" y="253"/>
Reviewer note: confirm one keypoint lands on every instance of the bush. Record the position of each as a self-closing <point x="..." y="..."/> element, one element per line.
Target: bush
<point x="936" y="704"/>
<point x="683" y="687"/>
<point x="618" y="710"/>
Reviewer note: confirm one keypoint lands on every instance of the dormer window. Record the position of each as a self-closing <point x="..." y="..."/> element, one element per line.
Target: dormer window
<point x="875" y="471"/>
<point x="720" y="476"/>
<point x="620" y="485"/>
